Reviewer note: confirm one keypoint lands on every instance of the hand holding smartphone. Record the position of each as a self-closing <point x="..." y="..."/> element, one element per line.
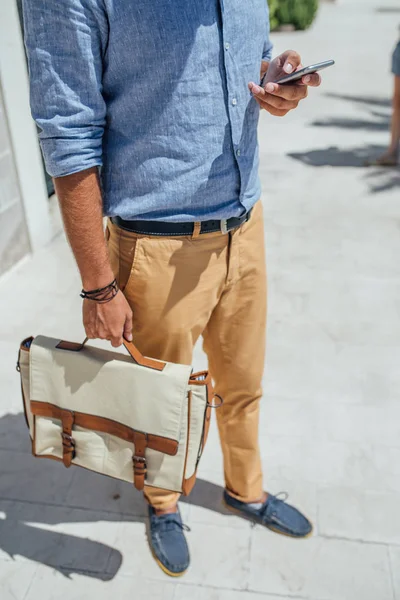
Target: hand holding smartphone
<point x="296" y="75"/>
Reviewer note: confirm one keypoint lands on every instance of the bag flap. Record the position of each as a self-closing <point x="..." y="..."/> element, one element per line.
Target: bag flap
<point x="109" y="384"/>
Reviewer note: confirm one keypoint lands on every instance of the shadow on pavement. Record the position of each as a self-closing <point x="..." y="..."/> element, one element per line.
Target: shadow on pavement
<point x="37" y="492"/>
<point x="376" y="108"/>
<point x="367" y="101"/>
<point x="379" y="179"/>
<point x="382" y="124"/>
<point x="382" y="180"/>
<point x="388" y="9"/>
<point x="338" y="157"/>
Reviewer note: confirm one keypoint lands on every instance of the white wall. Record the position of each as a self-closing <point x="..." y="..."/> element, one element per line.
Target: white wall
<point x="22" y="130"/>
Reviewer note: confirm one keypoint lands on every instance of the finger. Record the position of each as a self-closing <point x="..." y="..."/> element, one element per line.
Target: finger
<point x="276" y="112"/>
<point x="288" y="92"/>
<point x="256" y="90"/>
<point x="128" y="327"/>
<point x="89" y="333"/>
<point x="313" y="80"/>
<point x="278" y="102"/>
<point x="116" y="341"/>
<point x="292" y="61"/>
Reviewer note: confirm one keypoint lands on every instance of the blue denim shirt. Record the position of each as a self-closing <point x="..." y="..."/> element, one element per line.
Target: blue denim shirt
<point x="155" y="92"/>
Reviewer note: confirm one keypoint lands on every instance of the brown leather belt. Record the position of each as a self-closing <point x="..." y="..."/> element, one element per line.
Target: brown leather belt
<point x="172" y="229"/>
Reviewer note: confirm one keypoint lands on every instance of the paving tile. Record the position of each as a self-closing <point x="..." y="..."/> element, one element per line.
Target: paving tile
<point x="330" y="372"/>
<point x="10" y="398"/>
<point x="363" y="466"/>
<point x="24" y="477"/>
<point x="206" y="506"/>
<point x="15" y="579"/>
<point x="367" y="516"/>
<point x="131" y="543"/>
<point x="299" y="307"/>
<point x="14" y="433"/>
<point x="218" y="555"/>
<point x="183" y="592"/>
<point x="96" y="492"/>
<point x="52" y="585"/>
<point x="78" y="540"/>
<point x="360" y="423"/>
<point x="394" y="555"/>
<point x="319" y="568"/>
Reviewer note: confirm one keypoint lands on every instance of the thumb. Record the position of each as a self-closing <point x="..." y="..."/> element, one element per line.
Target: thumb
<point x="292" y="61"/>
<point x="128" y="327"/>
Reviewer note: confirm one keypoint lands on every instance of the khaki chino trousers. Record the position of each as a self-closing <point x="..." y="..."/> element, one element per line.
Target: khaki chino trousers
<point x="211" y="285"/>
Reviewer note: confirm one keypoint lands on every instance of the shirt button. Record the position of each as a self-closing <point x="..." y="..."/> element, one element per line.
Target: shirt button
<point x="238" y="153"/>
<point x="234" y="102"/>
<point x="227" y="46"/>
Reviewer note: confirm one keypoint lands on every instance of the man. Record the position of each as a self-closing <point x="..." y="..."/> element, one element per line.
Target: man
<point x="164" y="97"/>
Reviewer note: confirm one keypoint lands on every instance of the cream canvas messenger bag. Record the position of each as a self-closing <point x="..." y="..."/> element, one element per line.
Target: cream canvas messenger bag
<point x="130" y="417"/>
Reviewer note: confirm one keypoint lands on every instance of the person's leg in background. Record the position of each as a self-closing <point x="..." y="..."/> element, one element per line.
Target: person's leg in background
<point x="391" y="157"/>
<point x="395" y="139"/>
<point x="234" y="341"/>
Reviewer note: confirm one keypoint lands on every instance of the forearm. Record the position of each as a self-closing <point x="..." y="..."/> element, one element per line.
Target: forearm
<point x="80" y="201"/>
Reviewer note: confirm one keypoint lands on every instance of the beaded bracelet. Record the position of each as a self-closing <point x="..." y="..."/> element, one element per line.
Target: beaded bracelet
<point x="101" y="295"/>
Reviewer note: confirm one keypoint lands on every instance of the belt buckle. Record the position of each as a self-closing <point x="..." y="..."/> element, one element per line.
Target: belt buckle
<point x="224" y="225"/>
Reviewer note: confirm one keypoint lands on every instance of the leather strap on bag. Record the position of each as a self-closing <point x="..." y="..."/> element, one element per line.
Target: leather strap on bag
<point x="139" y="460"/>
<point x="67" y="420"/>
<point x="140" y="440"/>
<point x="137" y="356"/>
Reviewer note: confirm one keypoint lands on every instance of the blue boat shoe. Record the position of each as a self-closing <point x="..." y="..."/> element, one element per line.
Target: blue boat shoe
<point x="274" y="513"/>
<point x="168" y="543"/>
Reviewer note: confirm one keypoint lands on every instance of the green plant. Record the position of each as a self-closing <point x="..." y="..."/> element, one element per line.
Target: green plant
<point x="299" y="13"/>
<point x="273" y="9"/>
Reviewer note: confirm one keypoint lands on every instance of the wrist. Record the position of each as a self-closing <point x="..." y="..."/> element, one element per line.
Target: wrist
<point x="94" y="281"/>
<point x="103" y="294"/>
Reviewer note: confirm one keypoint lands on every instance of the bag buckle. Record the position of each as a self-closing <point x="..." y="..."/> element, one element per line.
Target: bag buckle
<point x="69" y="443"/>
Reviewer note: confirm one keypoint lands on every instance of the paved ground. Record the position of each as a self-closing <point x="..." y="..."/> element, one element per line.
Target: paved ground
<point x="331" y="418"/>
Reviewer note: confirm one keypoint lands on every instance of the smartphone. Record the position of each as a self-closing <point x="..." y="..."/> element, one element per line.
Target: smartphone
<point x="306" y="71"/>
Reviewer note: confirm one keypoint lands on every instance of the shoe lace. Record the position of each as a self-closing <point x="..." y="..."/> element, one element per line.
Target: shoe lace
<point x="170" y="522"/>
<point x="283" y="496"/>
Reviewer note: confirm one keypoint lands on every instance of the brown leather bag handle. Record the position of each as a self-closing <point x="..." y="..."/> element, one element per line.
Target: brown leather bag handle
<point x="137" y="356"/>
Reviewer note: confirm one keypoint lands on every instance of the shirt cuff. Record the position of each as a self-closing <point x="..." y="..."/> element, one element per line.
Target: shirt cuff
<point x="267" y="54"/>
<point x="64" y="156"/>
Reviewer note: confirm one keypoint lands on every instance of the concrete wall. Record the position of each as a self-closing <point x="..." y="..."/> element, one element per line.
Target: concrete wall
<point x="24" y="208"/>
<point x="14" y="241"/>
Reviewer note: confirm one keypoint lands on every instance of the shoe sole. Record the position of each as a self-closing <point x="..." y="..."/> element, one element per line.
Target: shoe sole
<point x="157" y="560"/>
<point x="164" y="568"/>
<point x="236" y="511"/>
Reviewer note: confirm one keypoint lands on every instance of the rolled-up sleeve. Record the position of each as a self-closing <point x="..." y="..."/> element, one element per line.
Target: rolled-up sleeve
<point x="65" y="43"/>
